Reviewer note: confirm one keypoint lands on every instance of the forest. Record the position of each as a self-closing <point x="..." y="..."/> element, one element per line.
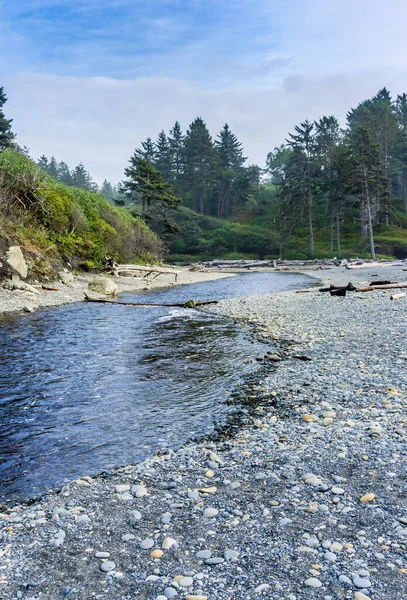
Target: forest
<point x="329" y="190"/>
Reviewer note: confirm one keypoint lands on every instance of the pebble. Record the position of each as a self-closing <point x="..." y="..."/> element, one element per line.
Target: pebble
<point x="361" y="582"/>
<point x="186" y="582"/>
<point x="157" y="554"/>
<point x="367" y="498"/>
<point x="107" y="565"/>
<point x="147" y="544"/>
<point x="210" y="512"/>
<point x="361" y="596"/>
<point x="313" y="582"/>
<point x="170" y="592"/>
<point x="102" y="554"/>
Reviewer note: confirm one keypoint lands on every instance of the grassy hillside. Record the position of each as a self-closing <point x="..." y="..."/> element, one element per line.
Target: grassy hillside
<point x="58" y="225"/>
<point x="256" y="232"/>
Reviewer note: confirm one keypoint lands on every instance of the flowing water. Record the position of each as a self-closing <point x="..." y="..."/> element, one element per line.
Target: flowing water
<point x="84" y="387"/>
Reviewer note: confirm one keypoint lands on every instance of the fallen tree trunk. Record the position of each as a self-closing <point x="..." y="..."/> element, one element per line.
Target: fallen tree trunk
<point x="391" y="286"/>
<point x="189" y="304"/>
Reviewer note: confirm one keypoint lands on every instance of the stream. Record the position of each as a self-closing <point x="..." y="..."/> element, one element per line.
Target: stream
<point x="85" y="387"/>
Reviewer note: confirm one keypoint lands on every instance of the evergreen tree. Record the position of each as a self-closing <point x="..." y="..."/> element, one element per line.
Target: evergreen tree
<point x="301" y="183"/>
<point x="53" y="168"/>
<point x="147" y="150"/>
<point x="367" y="179"/>
<point x="162" y="157"/>
<point x="82" y="179"/>
<point x="401" y="145"/>
<point x="176" y="145"/>
<point x="6" y="135"/>
<point x="43" y="163"/>
<point x="230" y="179"/>
<point x="108" y="190"/>
<point x="64" y="174"/>
<point x="200" y="165"/>
<point x="144" y="183"/>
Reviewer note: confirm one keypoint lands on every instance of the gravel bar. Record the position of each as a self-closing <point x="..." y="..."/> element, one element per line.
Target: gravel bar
<point x="306" y="499"/>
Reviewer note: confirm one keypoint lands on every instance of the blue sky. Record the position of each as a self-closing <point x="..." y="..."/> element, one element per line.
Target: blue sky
<point x="88" y="80"/>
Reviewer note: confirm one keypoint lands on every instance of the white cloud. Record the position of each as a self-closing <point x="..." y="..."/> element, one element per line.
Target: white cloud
<point x="100" y="121"/>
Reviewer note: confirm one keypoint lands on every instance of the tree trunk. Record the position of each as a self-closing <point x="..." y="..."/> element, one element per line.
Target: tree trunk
<point x="338" y="233"/>
<point x="370" y="228"/>
<point x="331" y="232"/>
<point x="311" y="230"/>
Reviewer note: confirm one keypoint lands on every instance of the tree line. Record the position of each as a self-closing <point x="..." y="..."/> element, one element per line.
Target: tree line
<point x="209" y="176"/>
<point x="354" y="174"/>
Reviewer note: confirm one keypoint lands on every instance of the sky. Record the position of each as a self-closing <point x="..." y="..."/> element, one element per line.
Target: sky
<point x="88" y="80"/>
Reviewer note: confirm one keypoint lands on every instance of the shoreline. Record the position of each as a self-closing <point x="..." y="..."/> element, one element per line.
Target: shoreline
<point x="19" y="301"/>
<point x="339" y="416"/>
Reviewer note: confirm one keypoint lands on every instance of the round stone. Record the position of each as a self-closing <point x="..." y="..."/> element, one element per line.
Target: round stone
<point x="210" y="512"/>
<point x="186" y="582"/>
<point x="107" y="565"/>
<point x="156" y="554"/>
<point x="170" y="592"/>
<point x="102" y="554"/>
<point x="147" y="544"/>
<point x="313" y="582"/>
<point x="361" y="582"/>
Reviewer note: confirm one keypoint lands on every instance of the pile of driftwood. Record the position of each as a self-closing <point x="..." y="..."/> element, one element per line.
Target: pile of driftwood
<point x="139" y="270"/>
<point x="324" y="262"/>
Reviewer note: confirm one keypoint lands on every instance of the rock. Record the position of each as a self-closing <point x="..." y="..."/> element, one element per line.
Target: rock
<point x="216" y="560"/>
<point x="231" y="555"/>
<point x="156" y="554"/>
<point x="134" y="517"/>
<point x="313" y="582"/>
<point x="186" y="582"/>
<point x="367" y="498"/>
<point x="344" y="580"/>
<point x="170" y="592"/>
<point x="210" y="512"/>
<point x="103" y="285"/>
<point x="361" y="582"/>
<point x="337" y="491"/>
<point x="195" y="597"/>
<point x="17" y="284"/>
<point x="102" y="554"/>
<point x="107" y="565"/>
<point x="15" y="260"/>
<point x="203" y="554"/>
<point x="28" y="308"/>
<point x="262" y="588"/>
<point x="169" y="543"/>
<point x="65" y="277"/>
<point x="147" y="544"/>
<point x="139" y="490"/>
<point x="361" y="596"/>
<point x="122" y="488"/>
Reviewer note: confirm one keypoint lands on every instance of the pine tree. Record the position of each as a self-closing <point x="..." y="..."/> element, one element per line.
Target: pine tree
<point x="367" y="178"/>
<point x="82" y="179"/>
<point x="144" y="182"/>
<point x="401" y="144"/>
<point x="176" y="145"/>
<point x="231" y="161"/>
<point x="147" y="150"/>
<point x="200" y="164"/>
<point x="162" y="157"/>
<point x="302" y="174"/>
<point x="53" y="168"/>
<point x="6" y="135"/>
<point x="43" y="163"/>
<point x="64" y="174"/>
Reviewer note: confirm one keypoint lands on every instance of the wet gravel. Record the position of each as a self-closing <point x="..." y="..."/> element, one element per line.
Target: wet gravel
<point x="307" y="498"/>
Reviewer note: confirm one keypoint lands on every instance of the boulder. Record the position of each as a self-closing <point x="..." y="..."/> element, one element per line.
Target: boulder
<point x="17" y="284"/>
<point x="15" y="260"/>
<point x="66" y="277"/>
<point x="103" y="285"/>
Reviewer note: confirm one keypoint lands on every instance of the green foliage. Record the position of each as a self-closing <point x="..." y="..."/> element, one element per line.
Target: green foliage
<point x="81" y="226"/>
<point x="205" y="237"/>
<point x="6" y="135"/>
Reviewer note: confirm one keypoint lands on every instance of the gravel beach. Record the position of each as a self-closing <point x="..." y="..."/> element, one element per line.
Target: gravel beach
<point x="306" y="499"/>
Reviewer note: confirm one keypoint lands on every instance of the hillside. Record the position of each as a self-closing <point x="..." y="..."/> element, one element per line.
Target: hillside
<point x="57" y="225"/>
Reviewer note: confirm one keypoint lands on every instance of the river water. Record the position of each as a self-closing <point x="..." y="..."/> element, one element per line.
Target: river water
<point x="84" y="387"/>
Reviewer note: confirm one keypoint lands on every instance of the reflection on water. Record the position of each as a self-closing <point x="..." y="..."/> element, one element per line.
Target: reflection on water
<point x="86" y="386"/>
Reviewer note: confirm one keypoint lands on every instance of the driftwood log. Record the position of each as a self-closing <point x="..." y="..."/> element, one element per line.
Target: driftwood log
<point x="398" y="296"/>
<point x="189" y="304"/>
<point x="390" y="286"/>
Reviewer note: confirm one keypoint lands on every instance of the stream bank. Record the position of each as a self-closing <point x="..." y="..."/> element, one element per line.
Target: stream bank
<point x="308" y="499"/>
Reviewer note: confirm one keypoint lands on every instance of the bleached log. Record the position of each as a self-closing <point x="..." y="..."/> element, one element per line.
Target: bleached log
<point x="391" y="286"/>
<point x="398" y="296"/>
